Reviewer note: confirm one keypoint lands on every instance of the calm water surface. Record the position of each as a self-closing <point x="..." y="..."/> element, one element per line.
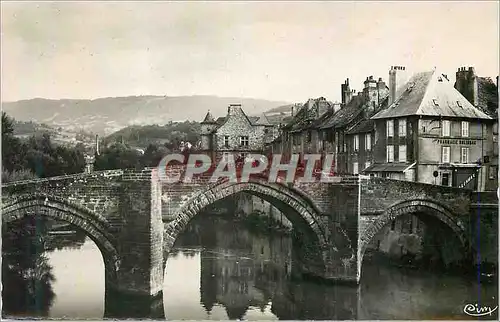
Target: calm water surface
<point x="220" y="270"/>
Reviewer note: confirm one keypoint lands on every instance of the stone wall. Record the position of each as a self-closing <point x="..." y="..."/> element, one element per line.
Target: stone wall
<point x="236" y="125"/>
<point x="379" y="194"/>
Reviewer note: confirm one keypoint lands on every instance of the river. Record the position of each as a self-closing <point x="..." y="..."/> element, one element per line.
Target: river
<point x="221" y="270"/>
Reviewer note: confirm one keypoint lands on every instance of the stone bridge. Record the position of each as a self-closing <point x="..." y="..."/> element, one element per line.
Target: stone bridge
<point x="135" y="219"/>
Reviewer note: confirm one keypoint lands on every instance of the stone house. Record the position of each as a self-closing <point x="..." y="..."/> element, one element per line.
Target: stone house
<point x="235" y="134"/>
<point x="482" y="92"/>
<point x="432" y="134"/>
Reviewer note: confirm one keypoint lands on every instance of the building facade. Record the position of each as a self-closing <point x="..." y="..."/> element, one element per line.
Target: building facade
<point x="235" y="134"/>
<point x="482" y="92"/>
<point x="432" y="134"/>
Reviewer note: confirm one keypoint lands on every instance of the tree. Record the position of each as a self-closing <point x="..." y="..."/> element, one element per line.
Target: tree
<point x="12" y="149"/>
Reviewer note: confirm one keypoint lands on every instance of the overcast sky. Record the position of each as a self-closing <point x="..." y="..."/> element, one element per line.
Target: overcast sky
<point x="278" y="51"/>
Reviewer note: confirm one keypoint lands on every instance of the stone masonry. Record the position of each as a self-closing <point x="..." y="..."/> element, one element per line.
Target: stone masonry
<point x="119" y="210"/>
<point x="135" y="219"/>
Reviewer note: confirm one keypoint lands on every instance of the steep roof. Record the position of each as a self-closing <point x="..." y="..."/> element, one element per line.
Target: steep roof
<point x="263" y="120"/>
<point x="296" y="120"/>
<point x="253" y="120"/>
<point x="430" y="94"/>
<point x="364" y="126"/>
<point x="208" y="118"/>
<point x="344" y="115"/>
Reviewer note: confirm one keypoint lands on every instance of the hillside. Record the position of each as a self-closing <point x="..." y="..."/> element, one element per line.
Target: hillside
<point x="169" y="134"/>
<point x="26" y="129"/>
<point x="107" y="115"/>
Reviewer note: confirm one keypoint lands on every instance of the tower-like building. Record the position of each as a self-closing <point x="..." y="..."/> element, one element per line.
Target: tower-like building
<point x="208" y="126"/>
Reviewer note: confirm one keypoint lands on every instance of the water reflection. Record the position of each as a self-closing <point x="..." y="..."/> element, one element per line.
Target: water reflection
<point x="26" y="274"/>
<point x="246" y="276"/>
<point x="218" y="270"/>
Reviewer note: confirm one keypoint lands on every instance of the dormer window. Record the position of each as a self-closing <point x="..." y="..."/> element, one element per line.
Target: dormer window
<point x="459" y="104"/>
<point x="435" y="102"/>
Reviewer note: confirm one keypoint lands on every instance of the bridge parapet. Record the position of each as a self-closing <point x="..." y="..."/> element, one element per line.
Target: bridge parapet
<point x="379" y="194"/>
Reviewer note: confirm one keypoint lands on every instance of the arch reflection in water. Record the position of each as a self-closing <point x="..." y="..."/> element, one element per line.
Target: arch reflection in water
<point x="244" y="275"/>
<point x="33" y="262"/>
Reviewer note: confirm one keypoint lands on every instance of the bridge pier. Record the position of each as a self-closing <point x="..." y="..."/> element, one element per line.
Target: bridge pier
<point x="139" y="235"/>
<point x="332" y="262"/>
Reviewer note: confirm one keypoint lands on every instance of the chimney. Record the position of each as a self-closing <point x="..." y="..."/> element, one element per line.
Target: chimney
<point x="293" y="107"/>
<point x="310" y="103"/>
<point x="466" y="84"/>
<point x="336" y="107"/>
<point x="346" y="92"/>
<point x="393" y="82"/>
<point x="231" y="110"/>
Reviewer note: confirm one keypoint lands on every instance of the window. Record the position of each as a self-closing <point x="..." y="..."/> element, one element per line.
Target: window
<point x="445" y="128"/>
<point x="465" y="129"/>
<point x="368" y="141"/>
<point x="393" y="225"/>
<point x="390" y="153"/>
<point x="356" y="142"/>
<point x="355" y="169"/>
<point x="445" y="179"/>
<point x="243" y="140"/>
<point x="226" y="141"/>
<point x="445" y="154"/>
<point x="402" y="127"/>
<point x="309" y="136"/>
<point x="266" y="131"/>
<point x="367" y="164"/>
<point x="465" y="155"/>
<point x="225" y="156"/>
<point x="402" y="153"/>
<point x="390" y="128"/>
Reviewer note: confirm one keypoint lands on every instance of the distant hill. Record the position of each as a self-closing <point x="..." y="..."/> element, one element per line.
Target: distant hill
<point x="107" y="115"/>
<point x="280" y="114"/>
<point x="26" y="129"/>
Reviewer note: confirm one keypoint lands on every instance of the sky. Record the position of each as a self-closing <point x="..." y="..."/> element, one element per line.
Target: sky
<point x="286" y="51"/>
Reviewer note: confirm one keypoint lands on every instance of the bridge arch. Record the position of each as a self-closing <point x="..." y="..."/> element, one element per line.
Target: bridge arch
<point x="83" y="218"/>
<point x="296" y="207"/>
<point x="427" y="207"/>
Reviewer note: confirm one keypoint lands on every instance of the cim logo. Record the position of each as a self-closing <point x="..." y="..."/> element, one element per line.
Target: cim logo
<point x="476" y="310"/>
